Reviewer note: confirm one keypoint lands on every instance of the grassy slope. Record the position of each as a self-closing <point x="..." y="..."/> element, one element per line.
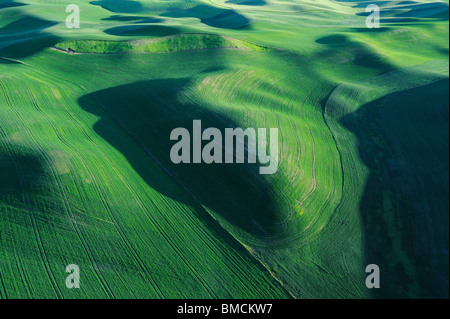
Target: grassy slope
<point x="84" y="138"/>
<point x="177" y="43"/>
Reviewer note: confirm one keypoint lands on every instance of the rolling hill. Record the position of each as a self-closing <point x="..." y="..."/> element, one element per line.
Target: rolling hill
<point x="86" y="177"/>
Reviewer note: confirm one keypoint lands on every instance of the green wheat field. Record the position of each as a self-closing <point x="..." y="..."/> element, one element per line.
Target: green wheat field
<point x="86" y="176"/>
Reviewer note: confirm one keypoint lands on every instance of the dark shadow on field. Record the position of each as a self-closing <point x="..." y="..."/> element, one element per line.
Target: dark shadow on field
<point x="258" y="3"/>
<point x="148" y="112"/>
<point x="11" y="4"/>
<point x="29" y="47"/>
<point x="342" y="50"/>
<point x="213" y="16"/>
<point x="147" y="30"/>
<point x="119" y="6"/>
<point x="32" y="40"/>
<point x="373" y="30"/>
<point x="214" y="69"/>
<point x="403" y="139"/>
<point x="28" y="24"/>
<point x="134" y="19"/>
<point x="6" y="61"/>
<point x="445" y="51"/>
<point x="337" y="39"/>
<point x="19" y="173"/>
